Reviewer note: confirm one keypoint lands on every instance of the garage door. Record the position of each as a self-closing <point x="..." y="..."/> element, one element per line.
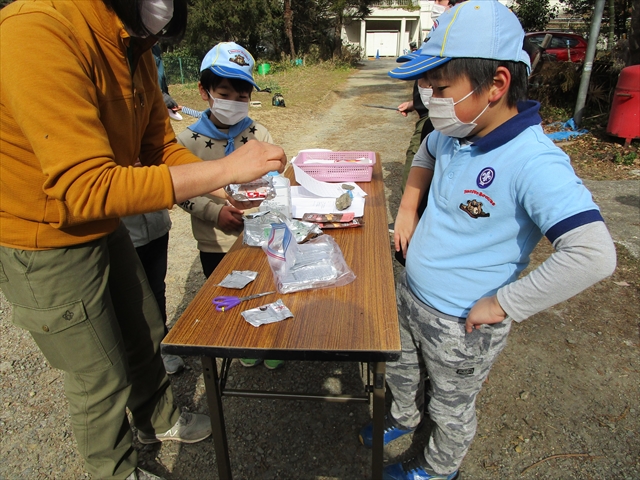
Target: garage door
<point x="383" y="43"/>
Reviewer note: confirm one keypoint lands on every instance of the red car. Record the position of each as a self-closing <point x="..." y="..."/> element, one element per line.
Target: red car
<point x="564" y="47"/>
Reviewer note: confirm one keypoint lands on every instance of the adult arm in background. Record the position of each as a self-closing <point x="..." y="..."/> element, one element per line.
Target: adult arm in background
<point x="87" y="171"/>
<point x="417" y="187"/>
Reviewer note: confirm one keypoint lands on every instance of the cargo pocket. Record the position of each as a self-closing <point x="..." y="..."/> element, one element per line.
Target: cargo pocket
<point x="65" y="336"/>
<point x="3" y="276"/>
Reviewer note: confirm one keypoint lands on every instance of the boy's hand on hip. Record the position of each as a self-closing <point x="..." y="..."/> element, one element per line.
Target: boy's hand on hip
<point x="487" y="310"/>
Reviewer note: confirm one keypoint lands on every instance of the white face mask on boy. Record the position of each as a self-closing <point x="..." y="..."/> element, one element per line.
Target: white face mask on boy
<point x="425" y="95"/>
<point x="442" y="113"/>
<point x="436" y="11"/>
<point x="229" y="112"/>
<point x="156" y="14"/>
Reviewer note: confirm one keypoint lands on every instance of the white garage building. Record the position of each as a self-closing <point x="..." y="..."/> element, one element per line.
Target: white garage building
<point x="392" y="25"/>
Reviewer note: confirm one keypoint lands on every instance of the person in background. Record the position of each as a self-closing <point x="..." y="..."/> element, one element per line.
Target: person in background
<point x="226" y="83"/>
<point x="496" y="185"/>
<point x="419" y="102"/>
<point x="149" y="232"/>
<point x="172" y="105"/>
<point x="67" y="264"/>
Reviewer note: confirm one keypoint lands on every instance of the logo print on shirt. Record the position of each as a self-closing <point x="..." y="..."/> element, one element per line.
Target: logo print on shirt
<point x="474" y="209"/>
<point x="485" y="177"/>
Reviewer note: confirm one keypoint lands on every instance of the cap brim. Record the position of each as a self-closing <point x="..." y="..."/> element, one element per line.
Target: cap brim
<point x="406" y="58"/>
<point x="415" y="68"/>
<point x="225" y="72"/>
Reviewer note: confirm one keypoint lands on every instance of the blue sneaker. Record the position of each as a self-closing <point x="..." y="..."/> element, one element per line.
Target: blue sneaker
<point x="413" y="470"/>
<point x="391" y="432"/>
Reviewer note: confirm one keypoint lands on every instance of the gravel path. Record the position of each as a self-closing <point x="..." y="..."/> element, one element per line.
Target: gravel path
<point x="556" y="390"/>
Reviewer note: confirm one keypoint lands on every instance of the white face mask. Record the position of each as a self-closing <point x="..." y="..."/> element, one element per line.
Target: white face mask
<point x="436" y="11"/>
<point x="229" y="112"/>
<point x="156" y="14"/>
<point x="425" y="95"/>
<point x="442" y="113"/>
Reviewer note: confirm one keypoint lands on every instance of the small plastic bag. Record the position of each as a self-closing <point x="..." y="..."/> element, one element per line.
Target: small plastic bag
<point x="319" y="263"/>
<point x="257" y="228"/>
<point x="269" y="313"/>
<point x="238" y="279"/>
<point x="260" y="189"/>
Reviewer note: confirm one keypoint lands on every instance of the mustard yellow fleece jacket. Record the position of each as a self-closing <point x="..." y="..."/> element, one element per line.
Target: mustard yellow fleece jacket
<point x="79" y="103"/>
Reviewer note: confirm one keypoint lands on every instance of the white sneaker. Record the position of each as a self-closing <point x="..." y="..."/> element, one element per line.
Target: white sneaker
<point x="172" y="363"/>
<point x="140" y="474"/>
<point x="190" y="428"/>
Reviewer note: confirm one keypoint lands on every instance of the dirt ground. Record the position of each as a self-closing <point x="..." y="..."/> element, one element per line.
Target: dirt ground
<point x="560" y="403"/>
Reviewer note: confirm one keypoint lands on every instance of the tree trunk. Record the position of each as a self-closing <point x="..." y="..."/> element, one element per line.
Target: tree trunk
<point x="612" y="24"/>
<point x="634" y="36"/>
<point x="288" y="26"/>
<point x="337" y="40"/>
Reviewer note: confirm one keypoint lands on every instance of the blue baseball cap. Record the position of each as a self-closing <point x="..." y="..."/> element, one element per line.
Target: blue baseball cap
<point x="408" y="57"/>
<point x="230" y="60"/>
<point x="473" y="29"/>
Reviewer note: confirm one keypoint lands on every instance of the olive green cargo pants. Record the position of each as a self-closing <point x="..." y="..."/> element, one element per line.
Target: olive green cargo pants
<point x="91" y="312"/>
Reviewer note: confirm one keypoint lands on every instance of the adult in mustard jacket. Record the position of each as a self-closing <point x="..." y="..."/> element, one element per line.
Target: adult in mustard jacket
<point x="80" y="103"/>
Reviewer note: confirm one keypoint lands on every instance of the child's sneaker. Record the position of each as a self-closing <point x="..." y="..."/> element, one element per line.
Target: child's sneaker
<point x="273" y="364"/>
<point x="391" y="432"/>
<point x="413" y="470"/>
<point x="249" y="362"/>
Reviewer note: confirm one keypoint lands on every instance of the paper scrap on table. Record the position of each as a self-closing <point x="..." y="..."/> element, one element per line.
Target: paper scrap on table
<point x="324" y="189"/>
<point x="303" y="201"/>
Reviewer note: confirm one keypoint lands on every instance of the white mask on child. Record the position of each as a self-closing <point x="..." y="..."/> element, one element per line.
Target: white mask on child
<point x="229" y="112"/>
<point x="442" y="113"/>
<point x="156" y="14"/>
<point x="436" y="11"/>
<point x="425" y="95"/>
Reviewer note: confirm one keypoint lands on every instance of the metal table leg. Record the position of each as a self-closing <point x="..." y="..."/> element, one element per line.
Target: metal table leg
<point x="214" y="399"/>
<point x="378" y="420"/>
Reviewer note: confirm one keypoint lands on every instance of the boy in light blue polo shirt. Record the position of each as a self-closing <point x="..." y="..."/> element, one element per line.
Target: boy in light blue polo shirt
<point x="496" y="184"/>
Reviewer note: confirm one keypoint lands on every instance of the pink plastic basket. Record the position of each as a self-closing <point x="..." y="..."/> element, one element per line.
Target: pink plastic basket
<point x="342" y="170"/>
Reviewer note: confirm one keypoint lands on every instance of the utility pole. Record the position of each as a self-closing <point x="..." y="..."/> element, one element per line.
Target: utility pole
<point x="588" y="61"/>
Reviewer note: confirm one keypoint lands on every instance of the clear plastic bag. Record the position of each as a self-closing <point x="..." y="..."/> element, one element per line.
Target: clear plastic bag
<point x="319" y="263"/>
<point x="257" y="228"/>
<point x="260" y="189"/>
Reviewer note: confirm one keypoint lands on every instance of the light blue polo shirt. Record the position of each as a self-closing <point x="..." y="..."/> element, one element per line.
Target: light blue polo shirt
<point x="489" y="204"/>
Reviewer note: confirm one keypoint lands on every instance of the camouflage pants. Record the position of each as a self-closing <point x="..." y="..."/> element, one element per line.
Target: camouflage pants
<point x="456" y="363"/>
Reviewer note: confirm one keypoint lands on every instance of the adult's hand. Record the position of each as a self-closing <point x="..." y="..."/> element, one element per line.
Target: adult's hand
<point x="251" y="161"/>
<point x="255" y="159"/>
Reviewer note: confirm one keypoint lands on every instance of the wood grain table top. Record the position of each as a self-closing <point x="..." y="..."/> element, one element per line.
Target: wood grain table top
<point x="356" y="322"/>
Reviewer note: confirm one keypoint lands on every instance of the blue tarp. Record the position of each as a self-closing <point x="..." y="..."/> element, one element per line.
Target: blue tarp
<point x="569" y="131"/>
